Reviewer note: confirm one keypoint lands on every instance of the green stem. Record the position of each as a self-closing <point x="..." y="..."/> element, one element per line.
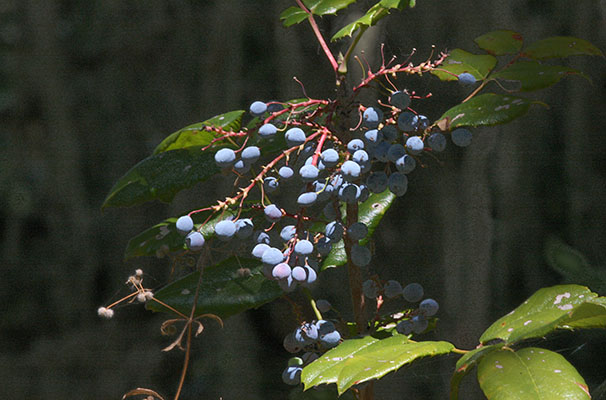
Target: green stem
<point x="343" y="64"/>
<point x="312" y="302"/>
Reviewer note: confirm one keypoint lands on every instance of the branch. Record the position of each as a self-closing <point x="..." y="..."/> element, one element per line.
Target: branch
<point x="314" y="27"/>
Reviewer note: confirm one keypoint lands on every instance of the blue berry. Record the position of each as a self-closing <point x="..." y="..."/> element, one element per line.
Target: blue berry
<point x="397" y="183"/>
<point x="261" y="237"/>
<point x="461" y="137"/>
<point x="395" y="151"/>
<point x="408" y="121"/>
<point x="288" y="233"/>
<point x="308" y="173"/>
<point x="360" y="157"/>
<point x="194" y="241"/>
<point x="412" y="292"/>
<point x="404" y="327"/>
<point x="372" y="117"/>
<point x="272" y="213"/>
<point x="307" y="199"/>
<point x="259" y="249"/>
<point x="286" y="172"/>
<point x="267" y="131"/>
<point x="419" y="323"/>
<point x="250" y="154"/>
<point x="184" y="225"/>
<point x="330" y="157"/>
<point x="330" y="340"/>
<point x="370" y="289"/>
<point x="241" y="167"/>
<point x="360" y="255"/>
<point x="299" y="274"/>
<point x="281" y="271"/>
<point x="274" y="107"/>
<point x="323" y="305"/>
<point x="324" y="246"/>
<point x="357" y="231"/>
<point x="381" y="150"/>
<point x="355" y="144"/>
<point x="225" y="229"/>
<point x="349" y="193"/>
<point x="225" y="158"/>
<point x="272" y="256"/>
<point x="270" y="184"/>
<point x="350" y="170"/>
<point x="399" y="99"/>
<point x="466" y="79"/>
<point x="290" y="343"/>
<point x="292" y="375"/>
<point x="373" y="136"/>
<point x="423" y="123"/>
<point x="334" y="230"/>
<point x="392" y="289"/>
<point x="244" y="228"/>
<point x="311" y="276"/>
<point x="304" y="247"/>
<point x="414" y="145"/>
<point x="377" y="182"/>
<point x="406" y="164"/>
<point x="295" y="137"/>
<point x="390" y="133"/>
<point x="257" y="108"/>
<point x="429" y="307"/>
<point x="437" y="142"/>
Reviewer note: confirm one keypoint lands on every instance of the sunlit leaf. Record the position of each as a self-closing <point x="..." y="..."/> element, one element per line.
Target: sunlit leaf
<point x="356" y="361"/>
<point x="533" y="75"/>
<point x="556" y="307"/>
<point x="500" y="42"/>
<point x="228" y="288"/>
<point x="465" y="364"/>
<point x="530" y="374"/>
<point x="459" y="61"/>
<point x="486" y="109"/>
<point x="372" y="16"/>
<point x="295" y="15"/>
<point x="196" y="135"/>
<point x="161" y="176"/>
<point x="560" y="46"/>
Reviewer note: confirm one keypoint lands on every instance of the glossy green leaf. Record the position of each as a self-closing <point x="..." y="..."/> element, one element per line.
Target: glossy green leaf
<point x="459" y="61"/>
<point x="560" y="46"/>
<point x="161" y="176"/>
<point x="465" y="364"/>
<point x="500" y="42"/>
<point x="556" y="307"/>
<point x="360" y="360"/>
<point x="196" y="135"/>
<point x="530" y="374"/>
<point x="487" y="109"/>
<point x="163" y="237"/>
<point x="228" y="288"/>
<point x="533" y="76"/>
<point x="370" y="213"/>
<point x="372" y="16"/>
<point x="295" y="15"/>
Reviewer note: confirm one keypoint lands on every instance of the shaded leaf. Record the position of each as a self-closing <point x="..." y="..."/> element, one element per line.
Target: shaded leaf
<point x="486" y="109"/>
<point x="465" y="365"/>
<point x="161" y="176"/>
<point x="459" y="61"/>
<point x="372" y="16"/>
<point x="196" y="135"/>
<point x="295" y="15"/>
<point x="530" y="374"/>
<point x="356" y="361"/>
<point x="533" y="75"/>
<point x="227" y="288"/>
<point x="292" y="16"/>
<point x="370" y="213"/>
<point x="560" y="46"/>
<point x="556" y="307"/>
<point x="500" y="42"/>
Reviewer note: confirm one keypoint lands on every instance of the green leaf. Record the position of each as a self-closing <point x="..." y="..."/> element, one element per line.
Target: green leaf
<point x="459" y="61"/>
<point x="530" y="374"/>
<point x="163" y="237"/>
<point x="196" y="135"/>
<point x="370" y="213"/>
<point x="487" y="109"/>
<point x="560" y="46"/>
<point x="372" y="16"/>
<point x="500" y="42"/>
<point x="465" y="364"/>
<point x="356" y="361"/>
<point x="556" y="307"/>
<point x="295" y="15"/>
<point x="532" y="75"/>
<point x="161" y="176"/>
<point x="228" y="288"/>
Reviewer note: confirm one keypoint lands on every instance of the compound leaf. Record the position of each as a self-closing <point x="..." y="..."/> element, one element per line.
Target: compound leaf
<point x="556" y="307"/>
<point x="370" y="213"/>
<point x="560" y="46"/>
<point x="199" y="134"/>
<point x="227" y="288"/>
<point x="533" y="76"/>
<point x="356" y="361"/>
<point x="500" y="42"/>
<point x="530" y="374"/>
<point x="459" y="61"/>
<point x="372" y="16"/>
<point x="486" y="109"/>
<point x="161" y="176"/>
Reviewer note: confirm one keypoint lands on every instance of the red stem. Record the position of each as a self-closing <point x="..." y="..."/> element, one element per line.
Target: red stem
<point x="314" y="27"/>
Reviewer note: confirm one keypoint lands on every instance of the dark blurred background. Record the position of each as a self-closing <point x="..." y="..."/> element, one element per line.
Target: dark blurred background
<point x="88" y="88"/>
